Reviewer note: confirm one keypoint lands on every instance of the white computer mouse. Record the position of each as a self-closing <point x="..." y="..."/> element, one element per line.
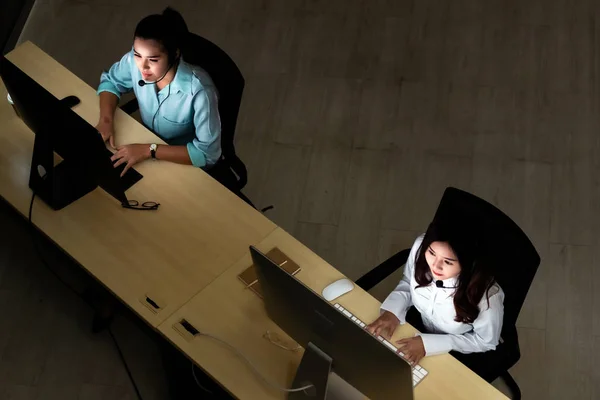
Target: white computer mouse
<point x="337" y="288"/>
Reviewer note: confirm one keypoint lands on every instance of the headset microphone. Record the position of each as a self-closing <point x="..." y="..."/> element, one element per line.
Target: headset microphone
<point x="142" y="82"/>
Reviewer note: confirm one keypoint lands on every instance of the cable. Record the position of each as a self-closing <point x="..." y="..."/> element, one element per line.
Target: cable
<point x="137" y="391"/>
<point x="198" y="383"/>
<point x="41" y="257"/>
<point x="39" y="254"/>
<point x="254" y="368"/>
<point x="235" y="350"/>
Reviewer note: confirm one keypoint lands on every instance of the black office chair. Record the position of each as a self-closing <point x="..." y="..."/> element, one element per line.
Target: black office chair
<point x="230" y="171"/>
<point x="500" y="234"/>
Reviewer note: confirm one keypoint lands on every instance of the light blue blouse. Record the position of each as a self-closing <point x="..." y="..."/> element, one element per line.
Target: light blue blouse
<point x="185" y="112"/>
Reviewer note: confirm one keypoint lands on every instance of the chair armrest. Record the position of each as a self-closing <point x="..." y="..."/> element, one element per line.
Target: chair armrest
<point x="512" y="385"/>
<point x="510" y="346"/>
<point x="383" y="270"/>
<point x="131" y="106"/>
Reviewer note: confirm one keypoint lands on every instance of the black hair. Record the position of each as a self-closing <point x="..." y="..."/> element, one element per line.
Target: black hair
<point x="475" y="278"/>
<point x="168" y="29"/>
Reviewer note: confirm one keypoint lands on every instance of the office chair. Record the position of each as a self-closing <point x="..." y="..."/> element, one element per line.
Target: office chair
<point x="230" y="171"/>
<point x="514" y="277"/>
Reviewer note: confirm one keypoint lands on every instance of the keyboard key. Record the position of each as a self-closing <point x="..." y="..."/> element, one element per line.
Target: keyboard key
<point x="388" y="344"/>
<point x="337" y="305"/>
<point x="347" y="313"/>
<point x="418" y="374"/>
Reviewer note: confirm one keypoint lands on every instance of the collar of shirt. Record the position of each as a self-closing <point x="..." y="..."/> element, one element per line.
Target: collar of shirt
<point x="183" y="78"/>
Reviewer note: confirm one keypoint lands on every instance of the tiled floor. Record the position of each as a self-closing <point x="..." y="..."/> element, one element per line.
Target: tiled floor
<point x="356" y="116"/>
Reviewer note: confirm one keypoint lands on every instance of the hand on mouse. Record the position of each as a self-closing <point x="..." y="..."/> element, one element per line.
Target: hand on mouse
<point x="107" y="130"/>
<point x="385" y="325"/>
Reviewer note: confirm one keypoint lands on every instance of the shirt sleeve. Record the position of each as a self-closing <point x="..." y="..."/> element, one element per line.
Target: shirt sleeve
<point x="484" y="336"/>
<point x="399" y="301"/>
<point x="205" y="148"/>
<point x="117" y="80"/>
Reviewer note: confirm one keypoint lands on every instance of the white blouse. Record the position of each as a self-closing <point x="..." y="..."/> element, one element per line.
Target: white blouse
<point x="436" y="306"/>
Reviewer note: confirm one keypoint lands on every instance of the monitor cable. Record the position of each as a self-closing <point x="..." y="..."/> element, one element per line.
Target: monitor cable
<point x="139" y="396"/>
<point x="41" y="257"/>
<point x="252" y="366"/>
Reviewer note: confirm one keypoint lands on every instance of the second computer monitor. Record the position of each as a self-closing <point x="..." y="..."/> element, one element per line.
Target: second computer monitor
<point x="332" y="342"/>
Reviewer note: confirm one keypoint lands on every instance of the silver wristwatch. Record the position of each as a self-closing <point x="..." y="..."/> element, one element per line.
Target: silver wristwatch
<point x="153" y="148"/>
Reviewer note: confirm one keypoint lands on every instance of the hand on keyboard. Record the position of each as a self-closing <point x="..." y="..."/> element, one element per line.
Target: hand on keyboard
<point x="106" y="129"/>
<point x="129" y="155"/>
<point x="413" y="349"/>
<point x="385" y="325"/>
<point x="418" y="372"/>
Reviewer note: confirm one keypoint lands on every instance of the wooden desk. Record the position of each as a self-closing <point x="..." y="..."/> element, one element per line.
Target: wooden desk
<point x="192" y="248"/>
<point x="229" y="311"/>
<point x="169" y="255"/>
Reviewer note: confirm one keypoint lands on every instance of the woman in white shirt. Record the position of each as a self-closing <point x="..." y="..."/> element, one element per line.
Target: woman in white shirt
<point x="460" y="304"/>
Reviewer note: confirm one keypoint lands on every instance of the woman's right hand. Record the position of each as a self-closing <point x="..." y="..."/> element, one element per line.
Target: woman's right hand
<point x="385" y="325"/>
<point x="107" y="130"/>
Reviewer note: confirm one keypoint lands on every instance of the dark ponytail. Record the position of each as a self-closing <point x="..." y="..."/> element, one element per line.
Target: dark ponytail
<point x="168" y="29"/>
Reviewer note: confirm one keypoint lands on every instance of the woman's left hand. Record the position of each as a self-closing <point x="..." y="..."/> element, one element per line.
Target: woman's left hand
<point x="130" y="154"/>
<point x="413" y="349"/>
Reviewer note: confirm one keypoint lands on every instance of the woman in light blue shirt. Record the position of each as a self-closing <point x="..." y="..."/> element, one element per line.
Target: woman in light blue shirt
<point x="177" y="100"/>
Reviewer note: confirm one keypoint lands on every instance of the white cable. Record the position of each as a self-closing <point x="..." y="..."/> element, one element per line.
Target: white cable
<point x="251" y="364"/>
<point x="267" y="336"/>
<point x="198" y="383"/>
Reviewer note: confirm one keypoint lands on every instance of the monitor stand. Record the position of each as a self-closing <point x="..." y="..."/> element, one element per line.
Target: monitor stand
<point x="314" y="369"/>
<point x="60" y="185"/>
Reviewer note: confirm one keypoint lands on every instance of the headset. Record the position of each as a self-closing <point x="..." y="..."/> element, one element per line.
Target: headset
<point x="142" y="82"/>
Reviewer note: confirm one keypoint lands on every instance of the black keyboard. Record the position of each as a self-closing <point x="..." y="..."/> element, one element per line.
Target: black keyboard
<point x="130" y="178"/>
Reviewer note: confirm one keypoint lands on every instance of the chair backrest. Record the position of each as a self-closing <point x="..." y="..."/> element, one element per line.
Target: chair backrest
<point x="503" y="244"/>
<point x="229" y="82"/>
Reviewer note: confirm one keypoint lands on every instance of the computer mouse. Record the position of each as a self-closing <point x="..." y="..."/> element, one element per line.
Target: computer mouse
<point x="70" y="101"/>
<point x="337" y="288"/>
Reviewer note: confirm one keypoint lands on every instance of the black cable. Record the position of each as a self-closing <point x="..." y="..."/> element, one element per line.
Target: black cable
<point x="137" y="391"/>
<point x="267" y="208"/>
<point x="72" y="289"/>
<point x="39" y="254"/>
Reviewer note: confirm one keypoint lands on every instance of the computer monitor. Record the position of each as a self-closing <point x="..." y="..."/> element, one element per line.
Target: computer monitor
<point x="86" y="162"/>
<point x="332" y="342"/>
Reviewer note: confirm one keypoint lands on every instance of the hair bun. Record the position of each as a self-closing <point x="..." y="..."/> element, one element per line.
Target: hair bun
<point x="176" y="22"/>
